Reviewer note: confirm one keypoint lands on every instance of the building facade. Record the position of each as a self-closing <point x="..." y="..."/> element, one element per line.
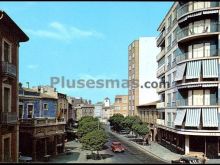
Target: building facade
<point x="189" y="66"/>
<point x="141" y="69"/>
<point x="121" y="105"/>
<point x="10" y="36"/>
<point x="84" y="110"/>
<point x="62" y="104"/>
<point x="149" y="114"/>
<point x="40" y="133"/>
<point x="98" y="109"/>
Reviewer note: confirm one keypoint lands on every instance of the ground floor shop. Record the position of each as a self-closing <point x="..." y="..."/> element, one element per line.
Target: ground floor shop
<point x="187" y="144"/>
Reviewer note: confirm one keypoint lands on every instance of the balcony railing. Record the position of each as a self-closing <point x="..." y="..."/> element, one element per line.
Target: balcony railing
<point x="160" y="105"/>
<point x="205" y="53"/>
<point x="161" y="54"/>
<point x="8" y="117"/>
<point x="189" y="7"/>
<point x="170" y="124"/>
<point x="182" y="102"/>
<point x="161" y="70"/>
<point x="42" y="121"/>
<point x="160" y="122"/>
<point x="161" y="37"/>
<point x="8" y="68"/>
<point x="200" y="29"/>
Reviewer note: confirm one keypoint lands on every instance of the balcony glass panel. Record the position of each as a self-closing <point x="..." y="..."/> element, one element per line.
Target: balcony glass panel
<point x="195" y="6"/>
<point x="198" y="28"/>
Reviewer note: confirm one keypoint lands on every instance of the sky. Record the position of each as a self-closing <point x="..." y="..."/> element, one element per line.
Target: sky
<point x="81" y="40"/>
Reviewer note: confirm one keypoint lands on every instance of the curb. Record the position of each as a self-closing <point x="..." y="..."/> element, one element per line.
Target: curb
<point x="140" y="147"/>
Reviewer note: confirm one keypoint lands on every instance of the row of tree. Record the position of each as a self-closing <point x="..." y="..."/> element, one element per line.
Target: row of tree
<point x="91" y="134"/>
<point x="130" y="124"/>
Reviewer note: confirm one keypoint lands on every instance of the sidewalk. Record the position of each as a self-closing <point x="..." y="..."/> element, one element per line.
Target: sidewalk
<point x="154" y="150"/>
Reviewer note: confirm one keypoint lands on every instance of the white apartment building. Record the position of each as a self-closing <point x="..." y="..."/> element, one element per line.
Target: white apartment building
<point x="189" y="60"/>
<point x="141" y="68"/>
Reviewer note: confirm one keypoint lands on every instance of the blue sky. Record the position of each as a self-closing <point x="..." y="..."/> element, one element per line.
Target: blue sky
<point x="81" y="40"/>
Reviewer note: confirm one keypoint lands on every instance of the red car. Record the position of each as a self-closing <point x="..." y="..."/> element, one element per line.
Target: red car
<point x="117" y="147"/>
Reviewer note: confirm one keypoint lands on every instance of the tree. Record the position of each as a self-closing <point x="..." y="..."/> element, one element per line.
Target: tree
<point x="129" y="121"/>
<point x="116" y="121"/>
<point x="86" y="119"/>
<point x="143" y="130"/>
<point x="94" y="141"/>
<point x="87" y="127"/>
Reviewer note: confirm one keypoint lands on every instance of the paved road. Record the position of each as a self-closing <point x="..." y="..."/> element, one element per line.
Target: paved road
<point x="131" y="155"/>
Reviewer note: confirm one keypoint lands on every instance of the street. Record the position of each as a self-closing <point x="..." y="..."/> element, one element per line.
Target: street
<point x="131" y="155"/>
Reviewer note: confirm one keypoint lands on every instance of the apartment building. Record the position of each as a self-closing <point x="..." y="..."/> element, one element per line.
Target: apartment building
<point x="189" y="61"/>
<point x="84" y="110"/>
<point x="121" y="105"/>
<point x="98" y="109"/>
<point x="141" y="68"/>
<point x="10" y="36"/>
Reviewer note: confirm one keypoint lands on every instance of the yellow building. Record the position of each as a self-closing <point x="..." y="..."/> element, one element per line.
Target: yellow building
<point x="121" y="105"/>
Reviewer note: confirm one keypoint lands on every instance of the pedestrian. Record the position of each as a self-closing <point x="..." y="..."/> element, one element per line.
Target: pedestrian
<point x="203" y="160"/>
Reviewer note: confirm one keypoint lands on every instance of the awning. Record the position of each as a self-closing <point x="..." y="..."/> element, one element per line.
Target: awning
<point x="209" y="117"/>
<point x="193" y="69"/>
<point x="180" y="71"/>
<point x="180" y="114"/>
<point x="193" y="117"/>
<point x="210" y="68"/>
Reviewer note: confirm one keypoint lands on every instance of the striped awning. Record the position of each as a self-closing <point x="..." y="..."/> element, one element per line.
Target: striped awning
<point x="180" y="114"/>
<point x="197" y="85"/>
<point x="193" y="69"/>
<point x="193" y="117"/>
<point x="210" y="68"/>
<point x="180" y="71"/>
<point x="210" y="117"/>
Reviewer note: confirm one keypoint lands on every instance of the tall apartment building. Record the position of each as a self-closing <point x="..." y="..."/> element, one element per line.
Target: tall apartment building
<point x="189" y="61"/>
<point x="121" y="105"/>
<point x="141" y="68"/>
<point x="10" y="36"/>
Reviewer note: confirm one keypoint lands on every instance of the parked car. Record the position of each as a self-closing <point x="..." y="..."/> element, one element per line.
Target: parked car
<point x="117" y="147"/>
<point x="186" y="160"/>
<point x="124" y="131"/>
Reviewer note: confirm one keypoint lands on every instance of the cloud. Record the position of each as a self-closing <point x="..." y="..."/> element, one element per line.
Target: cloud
<point x="63" y="32"/>
<point x="32" y="66"/>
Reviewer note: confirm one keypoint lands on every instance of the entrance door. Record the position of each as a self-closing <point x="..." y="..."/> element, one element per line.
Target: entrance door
<point x="212" y="147"/>
<point x="7" y="156"/>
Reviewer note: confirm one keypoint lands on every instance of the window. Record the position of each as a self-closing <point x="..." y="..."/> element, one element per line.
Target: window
<point x="169" y="80"/>
<point x="124" y="108"/>
<point x="7" y="51"/>
<point x="169" y="43"/>
<point x="169" y="119"/>
<point x="169" y="62"/>
<point x="30" y="109"/>
<point x="45" y="106"/>
<point x="21" y="107"/>
<point x="169" y="22"/>
<point x="169" y="99"/>
<point x="124" y="100"/>
<point x="161" y="62"/>
<point x="174" y="99"/>
<point x="6" y="100"/>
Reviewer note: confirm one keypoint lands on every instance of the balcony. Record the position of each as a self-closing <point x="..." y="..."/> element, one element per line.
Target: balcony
<point x="161" y="88"/>
<point x="8" y="117"/>
<point x="161" y="70"/>
<point x="42" y="121"/>
<point x="160" y="105"/>
<point x="184" y="102"/>
<point x="195" y="32"/>
<point x="189" y="8"/>
<point x="160" y="122"/>
<point x="8" y="69"/>
<point x="160" y="55"/>
<point x="161" y="38"/>
<point x="205" y="54"/>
